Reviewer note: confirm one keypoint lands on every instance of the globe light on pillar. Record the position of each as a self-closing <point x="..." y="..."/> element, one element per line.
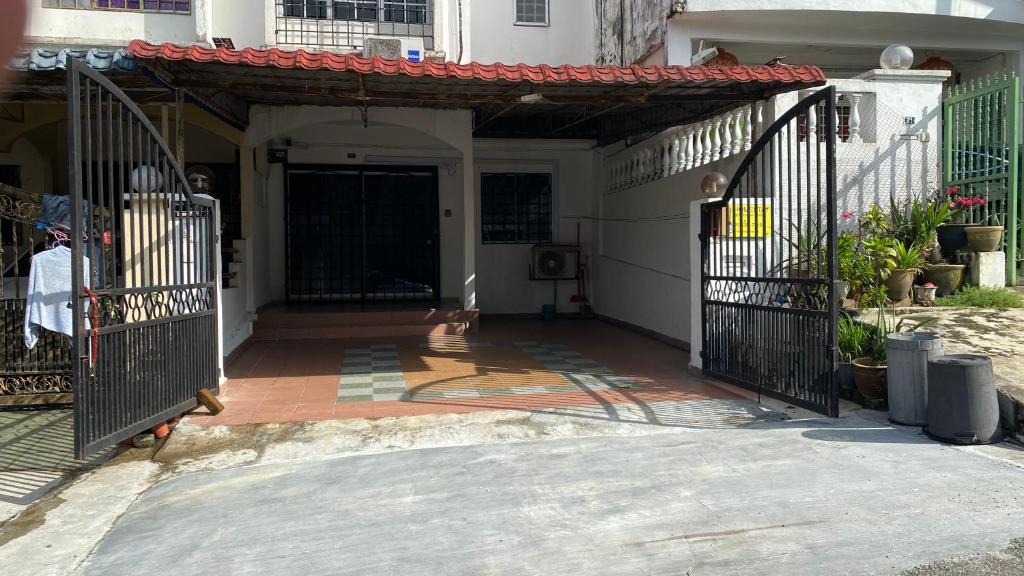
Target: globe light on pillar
<point x="714" y="184"/>
<point x="897" y="57"/>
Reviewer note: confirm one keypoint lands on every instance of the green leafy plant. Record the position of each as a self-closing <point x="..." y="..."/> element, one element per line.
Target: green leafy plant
<point x="983" y="297"/>
<point x="851" y="337"/>
<point x="904" y="257"/>
<point x="916" y="223"/>
<point x="874" y="347"/>
<point x="875" y="222"/>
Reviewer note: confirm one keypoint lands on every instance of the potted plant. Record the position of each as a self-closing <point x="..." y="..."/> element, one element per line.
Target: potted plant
<point x="851" y="337"/>
<point x="869" y="370"/>
<point x="952" y="234"/>
<point x="984" y="238"/>
<point x="846" y="257"/>
<point x="906" y="262"/>
<point x="946" y="277"/>
<point x="918" y="224"/>
<point x="925" y="294"/>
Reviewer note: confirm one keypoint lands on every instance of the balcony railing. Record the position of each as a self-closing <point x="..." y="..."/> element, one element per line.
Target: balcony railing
<point x="344" y="25"/>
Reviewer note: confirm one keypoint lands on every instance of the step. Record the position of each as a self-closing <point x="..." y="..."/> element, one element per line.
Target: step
<point x="272" y="333"/>
<point x="375" y="318"/>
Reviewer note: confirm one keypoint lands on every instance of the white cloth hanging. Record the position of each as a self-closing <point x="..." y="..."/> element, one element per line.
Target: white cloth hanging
<point x="48" y="300"/>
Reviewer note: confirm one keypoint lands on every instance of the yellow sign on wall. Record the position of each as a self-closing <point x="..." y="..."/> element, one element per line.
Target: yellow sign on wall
<point x="750" y="219"/>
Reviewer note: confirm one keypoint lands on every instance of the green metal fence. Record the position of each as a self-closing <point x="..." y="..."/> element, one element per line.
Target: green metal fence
<point x="980" y="145"/>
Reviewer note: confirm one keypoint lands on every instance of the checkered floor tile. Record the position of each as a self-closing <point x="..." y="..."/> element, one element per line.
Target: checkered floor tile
<point x="370" y="374"/>
<point x="585" y="373"/>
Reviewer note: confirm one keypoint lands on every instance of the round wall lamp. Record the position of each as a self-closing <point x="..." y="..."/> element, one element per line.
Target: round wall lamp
<point x="714" y="184"/>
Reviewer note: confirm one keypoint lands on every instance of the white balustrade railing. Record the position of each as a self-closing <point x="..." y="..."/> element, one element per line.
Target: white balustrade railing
<point x="683" y="148"/>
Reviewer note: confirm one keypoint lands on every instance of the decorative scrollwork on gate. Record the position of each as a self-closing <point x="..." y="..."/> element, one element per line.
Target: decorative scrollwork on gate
<point x="28" y="384"/>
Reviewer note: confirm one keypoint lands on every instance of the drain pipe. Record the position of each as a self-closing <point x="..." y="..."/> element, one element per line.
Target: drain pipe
<point x="459" y="59"/>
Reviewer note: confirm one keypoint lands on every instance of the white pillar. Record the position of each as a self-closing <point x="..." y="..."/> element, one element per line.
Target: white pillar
<point x="675" y="154"/>
<point x="748" y="128"/>
<point x="854" y="118"/>
<point x="716" y="138"/>
<point x="726" y="135"/>
<point x="471" y="228"/>
<point x="688" y="153"/>
<point x="737" y="129"/>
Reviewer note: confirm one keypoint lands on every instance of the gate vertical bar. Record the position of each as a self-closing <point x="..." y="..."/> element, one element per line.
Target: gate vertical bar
<point x="1013" y="208"/>
<point x="74" y="89"/>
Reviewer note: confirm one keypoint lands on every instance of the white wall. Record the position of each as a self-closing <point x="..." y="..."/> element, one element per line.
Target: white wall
<point x="238" y="20"/>
<point x="70" y="27"/>
<point x="999" y="10"/>
<point x="568" y="39"/>
<point x="504" y="284"/>
<point x="642" y="274"/>
<point x="886" y="164"/>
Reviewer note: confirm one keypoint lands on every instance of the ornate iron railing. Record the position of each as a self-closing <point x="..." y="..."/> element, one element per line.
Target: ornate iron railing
<point x="41" y="375"/>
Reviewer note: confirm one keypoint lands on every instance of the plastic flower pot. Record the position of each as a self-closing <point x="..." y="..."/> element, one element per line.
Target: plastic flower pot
<point x="898" y="284"/>
<point x="925" y="293"/>
<point x="946" y="277"/>
<point x="871" y="380"/>
<point x="984" y="238"/>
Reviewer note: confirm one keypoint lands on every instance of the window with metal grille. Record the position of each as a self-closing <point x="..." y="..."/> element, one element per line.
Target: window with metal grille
<point x="842" y="124"/>
<point x="346" y="24"/>
<point x="171" y="6"/>
<point x="515" y="208"/>
<point x="532" y="12"/>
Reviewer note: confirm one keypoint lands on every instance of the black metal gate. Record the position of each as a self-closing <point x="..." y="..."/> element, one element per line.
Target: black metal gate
<point x="362" y="234"/>
<point x="769" y="263"/>
<point x="144" y="268"/>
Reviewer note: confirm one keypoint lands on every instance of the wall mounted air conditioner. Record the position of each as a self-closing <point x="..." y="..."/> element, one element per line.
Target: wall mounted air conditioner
<point x="394" y="48"/>
<point x="554" y="262"/>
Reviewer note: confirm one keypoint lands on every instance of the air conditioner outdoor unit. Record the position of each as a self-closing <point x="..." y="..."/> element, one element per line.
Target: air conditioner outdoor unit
<point x="554" y="262"/>
<point x="394" y="48"/>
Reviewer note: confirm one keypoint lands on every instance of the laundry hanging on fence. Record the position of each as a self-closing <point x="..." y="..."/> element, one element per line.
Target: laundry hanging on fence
<point x="56" y="210"/>
<point x="48" y="300"/>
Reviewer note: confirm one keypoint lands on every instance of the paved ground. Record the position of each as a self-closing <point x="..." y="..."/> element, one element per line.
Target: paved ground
<point x="995" y="333"/>
<point x="508" y="365"/>
<point x="818" y="496"/>
<point x="36" y="454"/>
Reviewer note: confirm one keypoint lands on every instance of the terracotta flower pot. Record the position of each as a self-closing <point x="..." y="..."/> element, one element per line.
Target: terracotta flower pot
<point x="871" y="381"/>
<point x="898" y="284"/>
<point x="946" y="277"/>
<point x="984" y="238"/>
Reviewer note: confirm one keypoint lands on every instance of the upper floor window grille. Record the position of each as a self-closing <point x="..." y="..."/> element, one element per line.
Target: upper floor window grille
<point x="532" y="12"/>
<point x="346" y="24"/>
<point x="169" y="6"/>
<point x="842" y="124"/>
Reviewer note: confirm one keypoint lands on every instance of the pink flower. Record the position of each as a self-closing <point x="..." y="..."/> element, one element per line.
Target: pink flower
<point x="847" y="214"/>
<point x="952" y="205"/>
<point x="952" y="191"/>
<point x="982" y="201"/>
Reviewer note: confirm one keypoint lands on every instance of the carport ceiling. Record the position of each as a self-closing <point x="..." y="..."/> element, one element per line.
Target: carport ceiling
<point x="508" y="101"/>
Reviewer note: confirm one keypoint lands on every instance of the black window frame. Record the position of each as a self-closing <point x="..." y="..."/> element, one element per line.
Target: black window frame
<point x="519" y="213"/>
<point x="519" y="21"/>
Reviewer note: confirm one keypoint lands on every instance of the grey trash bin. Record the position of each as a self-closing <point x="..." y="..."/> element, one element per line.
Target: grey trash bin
<point x="962" y="403"/>
<point x="908" y="354"/>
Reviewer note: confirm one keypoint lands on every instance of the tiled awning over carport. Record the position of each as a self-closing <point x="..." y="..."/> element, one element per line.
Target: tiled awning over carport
<point x="606" y="104"/>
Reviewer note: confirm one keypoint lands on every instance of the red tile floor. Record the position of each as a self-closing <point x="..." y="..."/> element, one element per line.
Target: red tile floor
<point x="507" y="365"/>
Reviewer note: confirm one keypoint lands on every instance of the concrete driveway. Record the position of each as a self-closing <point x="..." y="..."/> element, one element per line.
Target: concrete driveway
<point x="817" y="496"/>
